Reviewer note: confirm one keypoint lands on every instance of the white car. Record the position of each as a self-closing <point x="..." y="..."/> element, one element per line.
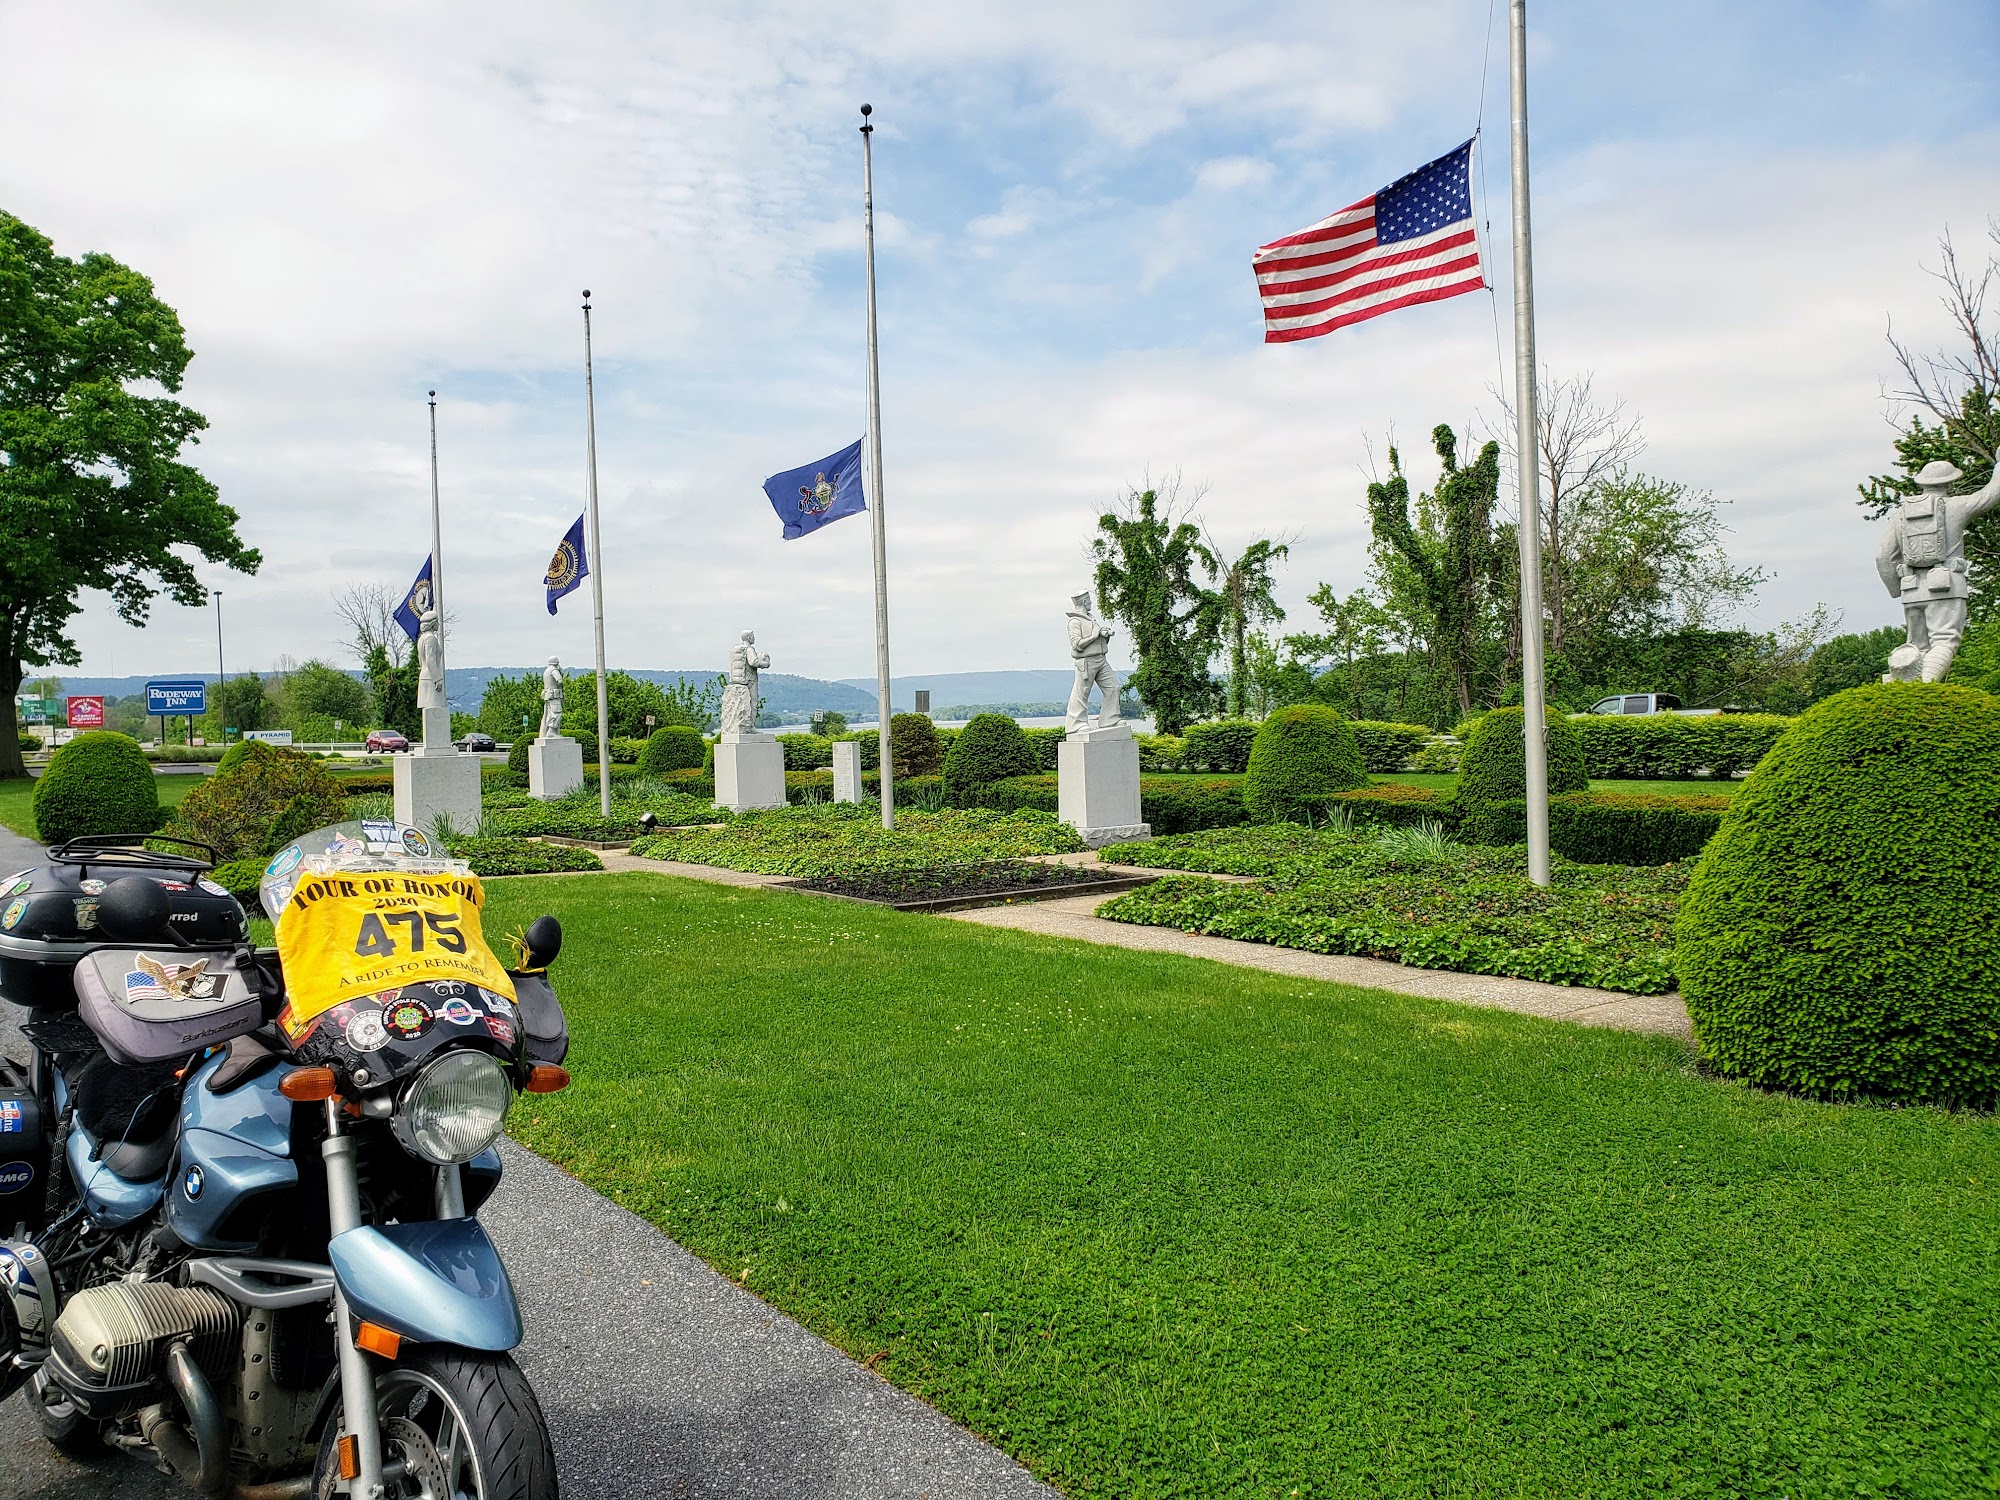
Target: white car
<point x="1646" y="703"/>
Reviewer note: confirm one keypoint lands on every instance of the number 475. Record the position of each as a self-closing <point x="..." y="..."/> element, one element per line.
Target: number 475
<point x="376" y="941"/>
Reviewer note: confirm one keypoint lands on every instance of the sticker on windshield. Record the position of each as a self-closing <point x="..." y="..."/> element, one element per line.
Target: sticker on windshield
<point x="415" y="844"/>
<point x="287" y="860"/>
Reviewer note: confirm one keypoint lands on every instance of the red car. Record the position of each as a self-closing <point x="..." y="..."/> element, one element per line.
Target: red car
<point x="385" y="739"/>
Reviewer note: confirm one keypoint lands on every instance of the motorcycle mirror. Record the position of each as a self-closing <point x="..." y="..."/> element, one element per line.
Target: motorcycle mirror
<point x="133" y="910"/>
<point x="544" y="941"/>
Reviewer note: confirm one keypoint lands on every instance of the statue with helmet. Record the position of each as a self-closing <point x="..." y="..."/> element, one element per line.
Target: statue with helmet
<point x="1089" y="644"/>
<point x="1922" y="562"/>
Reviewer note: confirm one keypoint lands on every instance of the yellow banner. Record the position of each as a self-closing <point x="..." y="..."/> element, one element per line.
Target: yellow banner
<point x="348" y="935"/>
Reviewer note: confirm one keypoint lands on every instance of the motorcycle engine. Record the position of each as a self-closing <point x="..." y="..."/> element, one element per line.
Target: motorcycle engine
<point x="108" y="1346"/>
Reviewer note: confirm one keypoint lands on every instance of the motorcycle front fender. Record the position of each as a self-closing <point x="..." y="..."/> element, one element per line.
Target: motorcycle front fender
<point x="439" y="1282"/>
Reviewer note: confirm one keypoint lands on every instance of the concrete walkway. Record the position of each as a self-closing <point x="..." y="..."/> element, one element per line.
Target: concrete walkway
<point x="1075" y="917"/>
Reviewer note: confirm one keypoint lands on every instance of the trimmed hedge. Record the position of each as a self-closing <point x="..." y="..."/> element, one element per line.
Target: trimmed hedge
<point x="1159" y="754"/>
<point x="1168" y="804"/>
<point x="806" y="752"/>
<point x="913" y="739"/>
<point x="1046" y="742"/>
<point x="517" y="763"/>
<point x="1609" y="828"/>
<point x="992" y="747"/>
<point x="1220" y="746"/>
<point x="1837" y="937"/>
<point x="802" y="787"/>
<point x="1667" y="747"/>
<point x="677" y="747"/>
<point x="1302" y="756"/>
<point x="1388" y="747"/>
<point x="99" y="782"/>
<point x="1392" y="802"/>
<point x="1494" y="767"/>
<point x="503" y="856"/>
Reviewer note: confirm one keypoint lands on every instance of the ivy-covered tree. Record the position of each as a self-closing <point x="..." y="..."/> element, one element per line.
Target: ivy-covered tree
<point x="1148" y="562"/>
<point x="1245" y="597"/>
<point x="1446" y="559"/>
<point x="93" y="493"/>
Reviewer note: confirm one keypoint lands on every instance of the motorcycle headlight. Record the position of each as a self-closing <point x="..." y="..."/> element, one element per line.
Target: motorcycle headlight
<point x="454" y="1108"/>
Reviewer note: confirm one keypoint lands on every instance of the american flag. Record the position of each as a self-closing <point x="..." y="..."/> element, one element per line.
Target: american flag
<point x="143" y="987"/>
<point x="1411" y="242"/>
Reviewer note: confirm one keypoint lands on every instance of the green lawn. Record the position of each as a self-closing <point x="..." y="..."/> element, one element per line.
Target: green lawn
<point x="1445" y="783"/>
<point x="1162" y="1228"/>
<point x="17" y="809"/>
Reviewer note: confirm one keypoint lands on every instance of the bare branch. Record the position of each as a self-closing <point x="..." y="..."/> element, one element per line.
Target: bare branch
<point x="1937" y="384"/>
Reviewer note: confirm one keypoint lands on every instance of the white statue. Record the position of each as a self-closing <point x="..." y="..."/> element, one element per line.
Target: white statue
<point x="739" y="695"/>
<point x="552" y="699"/>
<point x="430" y="663"/>
<point x="1089" y="639"/>
<point x="1922" y="562"/>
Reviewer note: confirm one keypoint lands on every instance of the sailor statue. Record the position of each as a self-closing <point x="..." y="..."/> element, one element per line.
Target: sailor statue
<point x="739" y="693"/>
<point x="1922" y="563"/>
<point x="1089" y="640"/>
<point x="431" y="702"/>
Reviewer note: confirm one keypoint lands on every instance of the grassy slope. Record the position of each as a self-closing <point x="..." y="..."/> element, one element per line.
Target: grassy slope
<point x="1164" y="1228"/>
<point x="17" y="800"/>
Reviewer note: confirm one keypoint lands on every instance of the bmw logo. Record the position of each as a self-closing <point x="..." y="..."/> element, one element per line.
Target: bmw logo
<point x="191" y="1183"/>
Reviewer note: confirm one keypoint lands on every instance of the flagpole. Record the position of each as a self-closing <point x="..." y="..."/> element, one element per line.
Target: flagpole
<point x="1527" y="467"/>
<point x="596" y="567"/>
<point x="437" y="567"/>
<point x="882" y="712"/>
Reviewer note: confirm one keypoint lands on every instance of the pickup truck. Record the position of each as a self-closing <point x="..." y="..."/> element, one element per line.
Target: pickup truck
<point x="1647" y="703"/>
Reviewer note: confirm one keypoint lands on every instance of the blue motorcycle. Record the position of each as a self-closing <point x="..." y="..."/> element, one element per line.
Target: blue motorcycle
<point x="240" y="1187"/>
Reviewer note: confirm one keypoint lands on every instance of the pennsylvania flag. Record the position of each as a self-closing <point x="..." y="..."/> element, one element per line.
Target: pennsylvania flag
<point x="416" y="602"/>
<point x="806" y="499"/>
<point x="569" y="567"/>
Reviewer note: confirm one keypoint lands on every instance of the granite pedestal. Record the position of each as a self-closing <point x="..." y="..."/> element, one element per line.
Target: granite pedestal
<point x="437" y="779"/>
<point x="749" y="772"/>
<point x="555" y="766"/>
<point x="847" y="770"/>
<point x="1097" y="785"/>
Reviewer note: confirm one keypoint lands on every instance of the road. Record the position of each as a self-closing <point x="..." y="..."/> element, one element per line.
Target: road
<point x="659" y="1376"/>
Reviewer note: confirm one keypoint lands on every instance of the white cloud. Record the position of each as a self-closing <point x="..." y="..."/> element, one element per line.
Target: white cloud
<point x="1225" y="174"/>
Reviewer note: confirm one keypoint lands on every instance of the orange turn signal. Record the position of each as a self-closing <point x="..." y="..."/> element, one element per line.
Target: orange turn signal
<point x="377" y="1340"/>
<point x="546" y="1078"/>
<point x="309" y="1085"/>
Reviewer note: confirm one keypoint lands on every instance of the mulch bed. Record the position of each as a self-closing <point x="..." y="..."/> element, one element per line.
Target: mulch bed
<point x="974" y="883"/>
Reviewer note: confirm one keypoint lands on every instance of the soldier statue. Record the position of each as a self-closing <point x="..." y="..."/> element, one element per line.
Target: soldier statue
<point x="431" y="701"/>
<point x="1922" y="563"/>
<point x="1089" y="639"/>
<point x="552" y="699"/>
<point x="739" y="693"/>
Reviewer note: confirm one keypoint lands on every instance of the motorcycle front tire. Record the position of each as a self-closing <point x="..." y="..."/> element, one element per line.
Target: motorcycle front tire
<point x="462" y="1423"/>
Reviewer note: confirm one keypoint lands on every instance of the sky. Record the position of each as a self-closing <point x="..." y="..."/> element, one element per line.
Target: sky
<point x="353" y="205"/>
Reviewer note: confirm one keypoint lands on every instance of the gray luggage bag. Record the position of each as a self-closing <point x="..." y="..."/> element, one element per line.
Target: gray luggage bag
<point x="151" y="1006"/>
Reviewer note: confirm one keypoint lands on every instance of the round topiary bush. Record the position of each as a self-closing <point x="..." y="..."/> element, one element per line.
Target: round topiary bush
<point x="1494" y="767"/>
<point x="914" y="740"/>
<point x="1301" y="757"/>
<point x="517" y="760"/>
<point x="990" y="748"/>
<point x="99" y="782"/>
<point x="265" y="799"/>
<point x="1837" y="937"/>
<point x="672" y="747"/>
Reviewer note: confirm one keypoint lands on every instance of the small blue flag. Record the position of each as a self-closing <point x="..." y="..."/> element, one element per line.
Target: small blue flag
<point x="569" y="567"/>
<point x="806" y="499"/>
<point x="416" y="602"/>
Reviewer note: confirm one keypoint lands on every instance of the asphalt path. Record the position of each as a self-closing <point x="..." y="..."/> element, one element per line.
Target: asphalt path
<point x="659" y="1376"/>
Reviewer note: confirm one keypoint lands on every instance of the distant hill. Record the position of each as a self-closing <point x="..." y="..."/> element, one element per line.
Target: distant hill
<point x="1038" y="685"/>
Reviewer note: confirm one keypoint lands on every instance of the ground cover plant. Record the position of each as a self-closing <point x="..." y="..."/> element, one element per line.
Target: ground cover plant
<point x="978" y="877"/>
<point x="511" y="813"/>
<point x="845" y="838"/>
<point x="1165" y="1229"/>
<point x="1410" y="894"/>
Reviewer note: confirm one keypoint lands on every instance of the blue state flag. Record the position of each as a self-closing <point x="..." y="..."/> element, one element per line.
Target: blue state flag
<point x="569" y="567"/>
<point x="807" y="498"/>
<point x="416" y="602"/>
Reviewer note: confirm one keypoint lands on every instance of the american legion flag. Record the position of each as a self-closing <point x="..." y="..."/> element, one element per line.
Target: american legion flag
<point x="1411" y="242"/>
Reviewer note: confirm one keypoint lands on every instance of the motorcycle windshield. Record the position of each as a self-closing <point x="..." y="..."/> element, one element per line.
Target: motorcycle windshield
<point x="384" y="955"/>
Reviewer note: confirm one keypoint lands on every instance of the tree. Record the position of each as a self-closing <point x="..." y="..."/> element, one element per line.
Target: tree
<point x="1244" y="598"/>
<point x="315" y="689"/>
<point x="242" y="704"/>
<point x="369" y="610"/>
<point x="1446" y="560"/>
<point x="395" y="692"/>
<point x="1960" y="394"/>
<point x="93" y="494"/>
<point x="1148" y="552"/>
